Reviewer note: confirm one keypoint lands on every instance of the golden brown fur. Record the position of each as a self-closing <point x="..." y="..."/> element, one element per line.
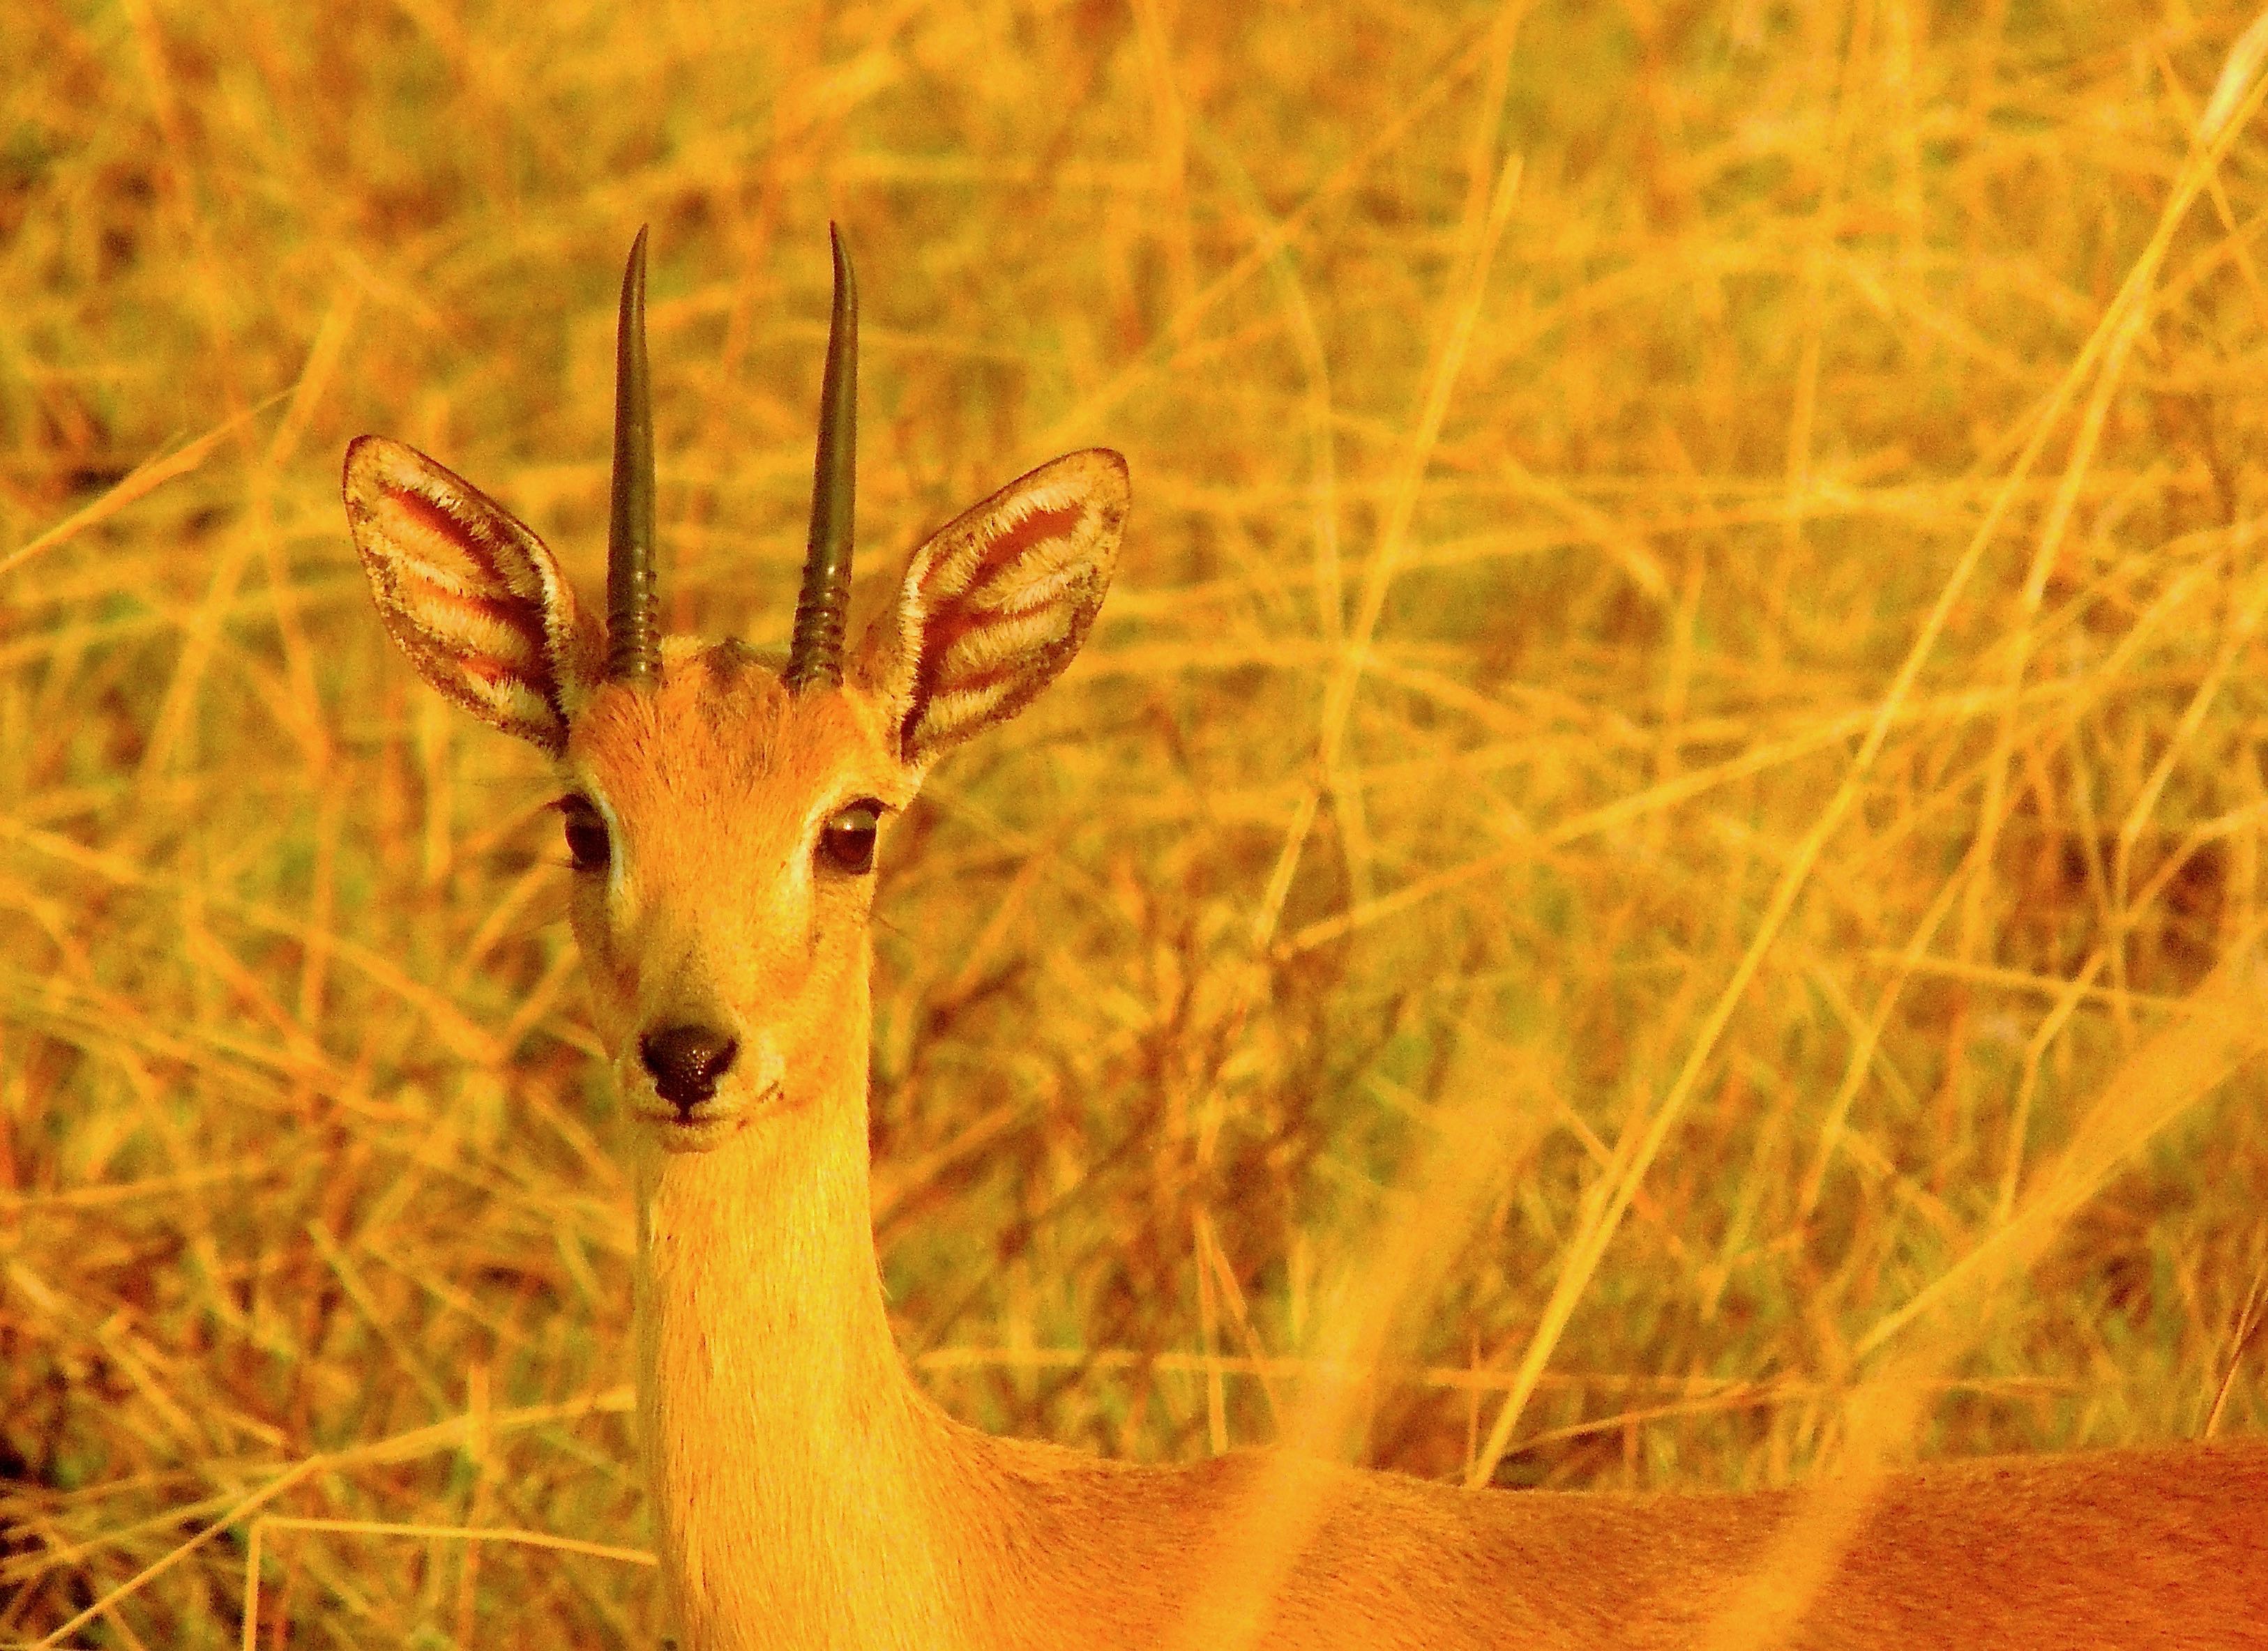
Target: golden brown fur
<point x="2125" y="1547"/>
<point x="808" y="1495"/>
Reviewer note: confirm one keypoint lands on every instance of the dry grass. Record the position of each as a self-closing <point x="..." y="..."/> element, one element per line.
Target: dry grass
<point x="1673" y="780"/>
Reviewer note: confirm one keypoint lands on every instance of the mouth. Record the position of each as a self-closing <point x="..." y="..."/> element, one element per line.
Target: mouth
<point x="705" y="1125"/>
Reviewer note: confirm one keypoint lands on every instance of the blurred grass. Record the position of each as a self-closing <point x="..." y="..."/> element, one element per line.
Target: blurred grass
<point x="1553" y="429"/>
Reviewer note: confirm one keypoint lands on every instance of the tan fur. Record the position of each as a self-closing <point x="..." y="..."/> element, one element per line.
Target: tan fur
<point x="806" y="1494"/>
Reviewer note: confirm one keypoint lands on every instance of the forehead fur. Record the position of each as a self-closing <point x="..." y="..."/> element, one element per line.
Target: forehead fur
<point x="720" y="730"/>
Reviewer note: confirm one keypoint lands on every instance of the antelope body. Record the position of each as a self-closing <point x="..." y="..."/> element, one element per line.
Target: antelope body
<point x="722" y="810"/>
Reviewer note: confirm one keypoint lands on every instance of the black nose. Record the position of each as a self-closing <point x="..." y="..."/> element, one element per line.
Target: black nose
<point x="686" y="1062"/>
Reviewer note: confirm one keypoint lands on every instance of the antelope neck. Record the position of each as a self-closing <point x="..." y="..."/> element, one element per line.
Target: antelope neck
<point x="797" y="1477"/>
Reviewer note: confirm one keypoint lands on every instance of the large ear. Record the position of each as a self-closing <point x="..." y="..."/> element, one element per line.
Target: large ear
<point x="995" y="603"/>
<point x="472" y="596"/>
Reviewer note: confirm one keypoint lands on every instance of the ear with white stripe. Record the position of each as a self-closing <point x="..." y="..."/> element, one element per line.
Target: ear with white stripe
<point x="471" y="595"/>
<point x="996" y="604"/>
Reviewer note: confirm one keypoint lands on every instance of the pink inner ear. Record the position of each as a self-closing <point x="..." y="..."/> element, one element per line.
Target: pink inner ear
<point x="428" y="513"/>
<point x="460" y="550"/>
<point x="1036" y="529"/>
<point x="430" y="524"/>
<point x="959" y="616"/>
<point x="966" y="611"/>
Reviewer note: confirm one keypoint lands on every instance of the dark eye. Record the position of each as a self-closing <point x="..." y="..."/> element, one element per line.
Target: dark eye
<point x="586" y="833"/>
<point x="846" y="842"/>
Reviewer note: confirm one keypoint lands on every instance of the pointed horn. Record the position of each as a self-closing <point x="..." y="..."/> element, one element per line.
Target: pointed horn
<point x="823" y="606"/>
<point x="633" y="640"/>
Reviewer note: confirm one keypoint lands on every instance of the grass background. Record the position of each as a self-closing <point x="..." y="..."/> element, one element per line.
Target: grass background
<point x="1660" y="841"/>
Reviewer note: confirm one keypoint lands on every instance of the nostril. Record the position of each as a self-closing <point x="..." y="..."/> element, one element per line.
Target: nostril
<point x="686" y="1061"/>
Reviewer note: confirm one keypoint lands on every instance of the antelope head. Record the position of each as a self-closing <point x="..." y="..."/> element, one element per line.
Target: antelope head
<point x="721" y="804"/>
